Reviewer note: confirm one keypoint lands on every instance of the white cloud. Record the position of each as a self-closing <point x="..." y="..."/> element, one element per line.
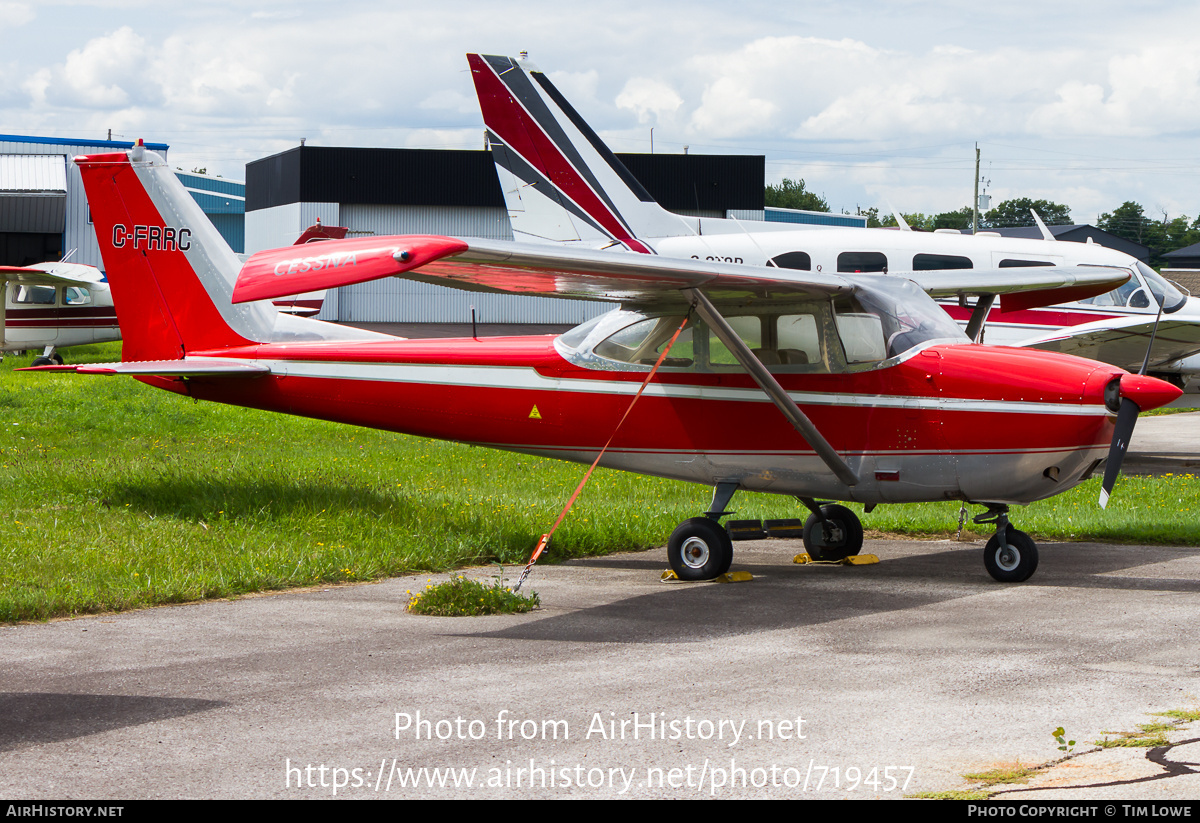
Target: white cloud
<point x="13" y="15"/>
<point x="648" y="99"/>
<point x="106" y="73"/>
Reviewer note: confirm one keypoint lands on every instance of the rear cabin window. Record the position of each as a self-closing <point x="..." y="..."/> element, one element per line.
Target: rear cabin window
<point x="861" y="261"/>
<point x="937" y="262"/>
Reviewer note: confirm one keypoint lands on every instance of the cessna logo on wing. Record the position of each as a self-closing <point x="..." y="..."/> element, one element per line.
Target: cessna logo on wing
<point x="334" y="260"/>
<point x="152" y="238"/>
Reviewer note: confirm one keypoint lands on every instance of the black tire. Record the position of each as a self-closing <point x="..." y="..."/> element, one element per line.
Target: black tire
<point x="841" y="536"/>
<point x="57" y="358"/>
<point x="1014" y="563"/>
<point x="42" y="361"/>
<point x="699" y="549"/>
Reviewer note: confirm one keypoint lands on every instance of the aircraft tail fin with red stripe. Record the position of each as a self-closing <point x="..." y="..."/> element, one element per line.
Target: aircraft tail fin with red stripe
<point x="171" y="272"/>
<point x="561" y="182"/>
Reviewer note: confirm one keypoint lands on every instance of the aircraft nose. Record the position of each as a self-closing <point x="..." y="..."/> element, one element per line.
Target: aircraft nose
<point x="1148" y="392"/>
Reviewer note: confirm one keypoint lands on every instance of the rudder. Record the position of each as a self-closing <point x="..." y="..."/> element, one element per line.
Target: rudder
<point x="170" y="271"/>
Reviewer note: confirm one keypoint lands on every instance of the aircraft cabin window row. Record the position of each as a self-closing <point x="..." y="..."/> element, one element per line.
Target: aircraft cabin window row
<point x="878" y="322"/>
<point x="20" y="294"/>
<point x="857" y="262"/>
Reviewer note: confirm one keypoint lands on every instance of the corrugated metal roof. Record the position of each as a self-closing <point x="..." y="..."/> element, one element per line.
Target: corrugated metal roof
<point x="77" y="143"/>
<point x="774" y="214"/>
<point x="33" y="173"/>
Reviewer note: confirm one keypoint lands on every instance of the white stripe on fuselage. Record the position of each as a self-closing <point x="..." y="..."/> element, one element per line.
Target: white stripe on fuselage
<point x="520" y="377"/>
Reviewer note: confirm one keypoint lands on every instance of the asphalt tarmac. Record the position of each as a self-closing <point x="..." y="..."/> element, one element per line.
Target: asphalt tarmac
<point x="876" y="681"/>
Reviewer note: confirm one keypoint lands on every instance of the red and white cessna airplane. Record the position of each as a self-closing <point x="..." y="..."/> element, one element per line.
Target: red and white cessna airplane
<point x="817" y="385"/>
<point x="52" y="305"/>
<point x="562" y="185"/>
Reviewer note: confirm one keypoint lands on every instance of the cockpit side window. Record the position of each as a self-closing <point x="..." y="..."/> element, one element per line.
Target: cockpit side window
<point x="76" y="296"/>
<point x="860" y="331"/>
<point x="643" y="342"/>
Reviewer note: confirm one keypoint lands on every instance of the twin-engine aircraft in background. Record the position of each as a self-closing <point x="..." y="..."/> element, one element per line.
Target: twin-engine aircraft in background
<point x="562" y="185"/>
<point x="51" y="306"/>
<point x="818" y="385"/>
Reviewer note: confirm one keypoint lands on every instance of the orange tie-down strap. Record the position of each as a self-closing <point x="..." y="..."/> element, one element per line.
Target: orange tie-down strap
<point x="545" y="541"/>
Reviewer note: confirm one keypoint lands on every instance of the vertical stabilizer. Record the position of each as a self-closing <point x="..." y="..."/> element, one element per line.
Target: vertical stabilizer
<point x="560" y="182"/>
<point x="171" y="272"/>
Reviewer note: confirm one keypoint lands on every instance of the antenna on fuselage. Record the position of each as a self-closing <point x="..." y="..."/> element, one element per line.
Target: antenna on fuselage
<point x="900" y="221"/>
<point x="750" y="235"/>
<point x="1046" y="235"/>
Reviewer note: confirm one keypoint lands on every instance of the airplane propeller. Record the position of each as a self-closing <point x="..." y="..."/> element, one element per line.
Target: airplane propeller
<point x="1126" y="388"/>
<point x="1126" y="418"/>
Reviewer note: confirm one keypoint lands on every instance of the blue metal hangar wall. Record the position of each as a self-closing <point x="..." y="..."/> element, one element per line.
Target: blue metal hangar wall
<point x="43" y="209"/>
<point x="431" y="191"/>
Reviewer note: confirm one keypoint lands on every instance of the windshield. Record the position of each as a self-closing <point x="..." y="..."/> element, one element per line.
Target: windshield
<point x="904" y="315"/>
<point x="1167" y="296"/>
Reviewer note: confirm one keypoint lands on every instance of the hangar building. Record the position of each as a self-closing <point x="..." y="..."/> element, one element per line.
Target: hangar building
<point x="433" y="191"/>
<point x="44" y="212"/>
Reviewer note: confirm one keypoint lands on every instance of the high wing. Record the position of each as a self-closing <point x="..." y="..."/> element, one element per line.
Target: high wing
<point x="1123" y="341"/>
<point x="52" y="274"/>
<point x="552" y="271"/>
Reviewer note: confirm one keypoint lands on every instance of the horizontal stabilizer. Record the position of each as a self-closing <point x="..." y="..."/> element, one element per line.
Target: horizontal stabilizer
<point x="198" y="367"/>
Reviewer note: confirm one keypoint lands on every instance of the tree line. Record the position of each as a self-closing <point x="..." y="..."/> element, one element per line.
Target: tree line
<point x="1129" y="220"/>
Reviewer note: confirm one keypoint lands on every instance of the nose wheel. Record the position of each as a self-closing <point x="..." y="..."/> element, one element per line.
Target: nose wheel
<point x="1010" y="556"/>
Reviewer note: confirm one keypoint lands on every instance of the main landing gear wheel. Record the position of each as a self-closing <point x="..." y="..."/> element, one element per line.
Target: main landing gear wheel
<point x="838" y="537"/>
<point x="43" y="361"/>
<point x="1013" y="562"/>
<point x="699" y="549"/>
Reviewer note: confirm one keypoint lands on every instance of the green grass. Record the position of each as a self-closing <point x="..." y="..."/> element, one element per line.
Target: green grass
<point x="1147" y="736"/>
<point x="461" y="597"/>
<point x="1003" y="775"/>
<point x="1180" y="715"/>
<point x="970" y="794"/>
<point x="114" y="495"/>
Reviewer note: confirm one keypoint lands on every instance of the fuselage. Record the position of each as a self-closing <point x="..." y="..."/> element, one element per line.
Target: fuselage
<point x="933" y="424"/>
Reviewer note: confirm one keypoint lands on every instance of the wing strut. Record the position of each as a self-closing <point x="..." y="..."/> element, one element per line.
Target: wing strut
<point x="770" y="385"/>
<point x="979" y="316"/>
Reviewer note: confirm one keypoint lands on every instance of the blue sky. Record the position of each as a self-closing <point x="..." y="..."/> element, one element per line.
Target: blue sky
<point x="872" y="103"/>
